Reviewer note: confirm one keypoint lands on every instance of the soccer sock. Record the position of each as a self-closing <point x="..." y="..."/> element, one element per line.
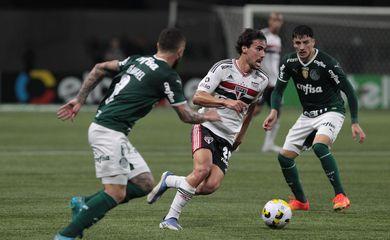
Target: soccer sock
<point x="329" y="165"/>
<point x="183" y="195"/>
<point x="291" y="175"/>
<point x="133" y="191"/>
<point x="174" y="181"/>
<point x="94" y="210"/>
<point x="87" y="198"/>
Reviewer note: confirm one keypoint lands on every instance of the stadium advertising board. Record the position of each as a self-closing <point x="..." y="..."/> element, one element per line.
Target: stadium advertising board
<point x="40" y="86"/>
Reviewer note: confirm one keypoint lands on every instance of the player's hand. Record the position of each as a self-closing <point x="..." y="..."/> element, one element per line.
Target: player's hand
<point x="270" y="120"/>
<point x="212" y="115"/>
<point x="69" y="110"/>
<point x="357" y="131"/>
<point x="236" y="105"/>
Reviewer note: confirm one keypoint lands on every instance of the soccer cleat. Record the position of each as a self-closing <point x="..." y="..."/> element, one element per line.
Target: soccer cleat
<point x="159" y="189"/>
<point x="270" y="148"/>
<point x="76" y="205"/>
<point x="60" y="237"/>
<point x="170" y="223"/>
<point x="298" y="205"/>
<point x="341" y="202"/>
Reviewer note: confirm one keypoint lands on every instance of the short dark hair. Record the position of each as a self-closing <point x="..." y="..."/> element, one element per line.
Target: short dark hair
<point x="302" y="30"/>
<point x="170" y="39"/>
<point x="246" y="38"/>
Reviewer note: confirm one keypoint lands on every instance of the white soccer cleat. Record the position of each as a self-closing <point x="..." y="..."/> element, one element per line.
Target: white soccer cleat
<point x="170" y="223"/>
<point x="159" y="189"/>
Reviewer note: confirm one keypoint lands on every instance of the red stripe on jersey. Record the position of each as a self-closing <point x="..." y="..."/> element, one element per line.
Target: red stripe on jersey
<point x="196" y="138"/>
<point x="232" y="86"/>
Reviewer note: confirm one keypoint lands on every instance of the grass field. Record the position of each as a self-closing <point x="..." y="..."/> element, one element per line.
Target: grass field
<point x="45" y="161"/>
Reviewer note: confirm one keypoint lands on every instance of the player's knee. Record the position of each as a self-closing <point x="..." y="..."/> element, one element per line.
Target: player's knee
<point x="201" y="172"/>
<point x="147" y="186"/>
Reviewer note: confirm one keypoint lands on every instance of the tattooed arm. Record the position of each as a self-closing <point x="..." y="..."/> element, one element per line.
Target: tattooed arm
<point x="100" y="70"/>
<point x="189" y="116"/>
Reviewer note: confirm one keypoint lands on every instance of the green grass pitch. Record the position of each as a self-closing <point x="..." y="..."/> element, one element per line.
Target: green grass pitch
<point x="43" y="162"/>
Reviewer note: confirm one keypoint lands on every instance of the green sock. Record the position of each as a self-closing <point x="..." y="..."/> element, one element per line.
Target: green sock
<point x="98" y="206"/>
<point x="133" y="191"/>
<point x="290" y="173"/>
<point x="329" y="165"/>
<point x="87" y="198"/>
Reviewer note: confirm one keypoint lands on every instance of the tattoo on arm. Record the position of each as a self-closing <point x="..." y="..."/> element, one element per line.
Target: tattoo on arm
<point x="92" y="80"/>
<point x="189" y="116"/>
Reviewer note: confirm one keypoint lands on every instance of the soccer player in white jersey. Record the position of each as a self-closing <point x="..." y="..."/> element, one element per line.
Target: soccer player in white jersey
<point x="271" y="67"/>
<point x="233" y="86"/>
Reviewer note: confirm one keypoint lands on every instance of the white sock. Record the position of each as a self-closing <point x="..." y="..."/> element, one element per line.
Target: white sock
<point x="174" y="181"/>
<point x="183" y="195"/>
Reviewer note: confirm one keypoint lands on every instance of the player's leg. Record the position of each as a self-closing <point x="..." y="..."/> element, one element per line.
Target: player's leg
<point x="329" y="126"/>
<point x="291" y="149"/>
<point x="212" y="182"/>
<point x="202" y="166"/>
<point x="269" y="139"/>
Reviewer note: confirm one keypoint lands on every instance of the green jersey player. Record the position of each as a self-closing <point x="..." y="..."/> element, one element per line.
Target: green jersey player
<point x="140" y="82"/>
<point x="318" y="79"/>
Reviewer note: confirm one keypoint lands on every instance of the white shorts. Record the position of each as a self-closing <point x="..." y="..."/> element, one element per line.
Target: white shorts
<point x="328" y="124"/>
<point x="114" y="155"/>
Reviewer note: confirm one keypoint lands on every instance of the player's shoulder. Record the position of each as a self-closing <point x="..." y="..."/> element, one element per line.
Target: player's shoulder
<point x="326" y="58"/>
<point x="223" y="64"/>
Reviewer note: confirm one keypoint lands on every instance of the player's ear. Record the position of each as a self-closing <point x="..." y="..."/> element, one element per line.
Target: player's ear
<point x="244" y="49"/>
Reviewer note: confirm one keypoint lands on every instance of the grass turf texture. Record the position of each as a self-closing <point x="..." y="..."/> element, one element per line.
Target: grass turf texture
<point x="45" y="161"/>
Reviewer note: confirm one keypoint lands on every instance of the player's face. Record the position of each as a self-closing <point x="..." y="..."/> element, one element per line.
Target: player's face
<point x="304" y="46"/>
<point x="255" y="53"/>
<point x="275" y="22"/>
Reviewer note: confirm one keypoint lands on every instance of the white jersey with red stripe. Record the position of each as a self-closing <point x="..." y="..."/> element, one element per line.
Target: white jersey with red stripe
<point x="271" y="61"/>
<point x="226" y="80"/>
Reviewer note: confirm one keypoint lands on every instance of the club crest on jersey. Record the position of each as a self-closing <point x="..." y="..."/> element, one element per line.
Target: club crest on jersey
<point x="305" y="72"/>
<point x="240" y="91"/>
<point x="208" y="139"/>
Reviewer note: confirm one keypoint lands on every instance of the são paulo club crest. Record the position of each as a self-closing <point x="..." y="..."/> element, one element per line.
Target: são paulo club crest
<point x="208" y="139"/>
<point x="240" y="91"/>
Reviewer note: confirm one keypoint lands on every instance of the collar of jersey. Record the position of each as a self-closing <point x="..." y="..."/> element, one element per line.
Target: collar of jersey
<point x="311" y="60"/>
<point x="155" y="56"/>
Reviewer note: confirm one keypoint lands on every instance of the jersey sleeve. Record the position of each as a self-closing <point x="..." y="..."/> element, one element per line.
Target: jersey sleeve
<point x="281" y="84"/>
<point x="211" y="81"/>
<point x="173" y="90"/>
<point x="339" y="78"/>
<point x="125" y="63"/>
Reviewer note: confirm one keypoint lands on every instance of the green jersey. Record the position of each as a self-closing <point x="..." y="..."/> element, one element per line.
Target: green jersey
<point x="318" y="83"/>
<point x="142" y="82"/>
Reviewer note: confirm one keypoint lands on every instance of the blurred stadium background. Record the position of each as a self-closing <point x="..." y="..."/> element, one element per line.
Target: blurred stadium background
<point x="46" y="49"/>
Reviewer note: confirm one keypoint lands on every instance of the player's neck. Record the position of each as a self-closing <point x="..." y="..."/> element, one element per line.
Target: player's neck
<point x="310" y="57"/>
<point x="169" y="58"/>
<point x="243" y="66"/>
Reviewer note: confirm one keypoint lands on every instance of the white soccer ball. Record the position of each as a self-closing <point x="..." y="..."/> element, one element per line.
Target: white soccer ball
<point x="276" y="213"/>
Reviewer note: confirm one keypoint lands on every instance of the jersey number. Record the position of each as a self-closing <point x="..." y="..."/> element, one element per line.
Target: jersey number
<point x="125" y="79"/>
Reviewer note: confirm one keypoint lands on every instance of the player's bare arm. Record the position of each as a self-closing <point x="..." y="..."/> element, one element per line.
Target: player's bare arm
<point x="205" y="99"/>
<point x="100" y="70"/>
<point x="270" y="120"/>
<point x="246" y="121"/>
<point x="187" y="115"/>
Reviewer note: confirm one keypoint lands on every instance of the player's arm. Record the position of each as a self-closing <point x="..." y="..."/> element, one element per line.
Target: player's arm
<point x="246" y="121"/>
<point x="203" y="96"/>
<point x="188" y="115"/>
<point x="347" y="88"/>
<point x="277" y="96"/>
<point x="99" y="71"/>
<point x="205" y="99"/>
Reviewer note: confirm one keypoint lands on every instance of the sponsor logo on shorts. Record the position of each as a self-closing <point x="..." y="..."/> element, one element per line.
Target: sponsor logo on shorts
<point x="208" y="139"/>
<point x="329" y="124"/>
<point x="101" y="158"/>
<point x="123" y="162"/>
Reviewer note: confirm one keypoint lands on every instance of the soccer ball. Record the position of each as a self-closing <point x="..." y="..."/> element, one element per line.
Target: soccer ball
<point x="276" y="213"/>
